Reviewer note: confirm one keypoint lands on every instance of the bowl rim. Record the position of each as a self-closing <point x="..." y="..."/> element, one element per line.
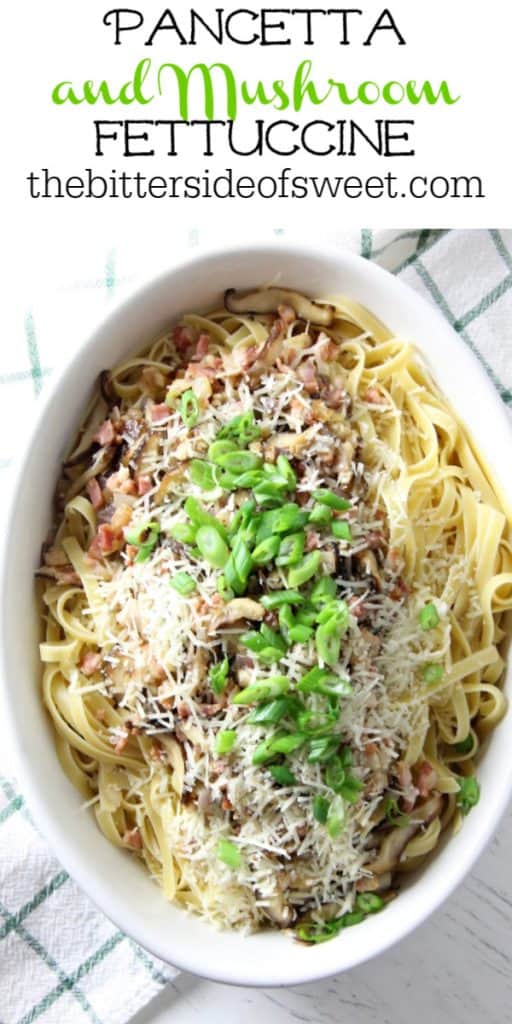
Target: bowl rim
<point x="47" y="821"/>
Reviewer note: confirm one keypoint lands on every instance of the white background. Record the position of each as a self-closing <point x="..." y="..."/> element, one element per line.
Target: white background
<point x="465" y="41"/>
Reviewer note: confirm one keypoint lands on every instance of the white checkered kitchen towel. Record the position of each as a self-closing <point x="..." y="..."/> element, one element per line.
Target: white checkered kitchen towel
<point x="52" y="971"/>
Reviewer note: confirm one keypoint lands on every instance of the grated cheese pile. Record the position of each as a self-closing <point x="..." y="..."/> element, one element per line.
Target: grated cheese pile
<point x="289" y="861"/>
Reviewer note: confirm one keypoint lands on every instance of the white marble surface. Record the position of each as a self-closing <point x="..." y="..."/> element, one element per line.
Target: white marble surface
<point x="455" y="968"/>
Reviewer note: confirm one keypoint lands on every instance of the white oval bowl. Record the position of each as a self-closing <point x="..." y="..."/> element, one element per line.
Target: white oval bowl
<point x="113" y="880"/>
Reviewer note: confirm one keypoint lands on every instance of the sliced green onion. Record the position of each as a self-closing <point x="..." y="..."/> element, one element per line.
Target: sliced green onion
<point x="322" y="748"/>
<point x="322" y="931"/>
<point x="279" y="597"/>
<point x="328" y="642"/>
<point x="282" y="774"/>
<point x="272" y="687"/>
<point x="200" y="517"/>
<point x="253" y="640"/>
<point x="219" y="448"/>
<point x="274" y="711"/>
<point x="394" y="814"/>
<point x="239" y="461"/>
<point x="242" y="517"/>
<point x="144" y="552"/>
<point x="336" y="819"/>
<point x="242" y="428"/>
<point x="432" y="673"/>
<point x="266" y="524"/>
<point x="139" y="534"/>
<point x="235" y="524"/>
<point x="350" y="789"/>
<point x="266" y="550"/>
<point x="218" y="675"/>
<point x="314" y="725"/>
<point x="290" y="518"/>
<point x="320" y="808"/>
<point x="225" y="741"/>
<point x="335" y="773"/>
<point x="242" y="558"/>
<point x="285" y="470"/>
<point x="222" y="588"/>
<point x="288" y="743"/>
<point x="145" y="538"/>
<point x="248" y="532"/>
<point x="341" y="530"/>
<point x="353" y="917"/>
<point x="189" y="408"/>
<point x="228" y="481"/>
<point x="247" y="511"/>
<point x="202" y="474"/>
<point x="183" y="532"/>
<point x="469" y="793"/>
<point x="332" y="500"/>
<point x="263" y="751"/>
<point x="305" y="569"/>
<point x="324" y="590"/>
<point x="300" y="634"/>
<point x="320" y="515"/>
<point x="248" y="480"/>
<point x="279" y="743"/>
<point x="466" y="745"/>
<point x="291" y="549"/>
<point x="346" y="756"/>
<point x="212" y="547"/>
<point x="286" y="621"/>
<point x="334" y="612"/>
<point x="315" y="932"/>
<point x="319" y="931"/>
<point x="321" y="680"/>
<point x="239" y="565"/>
<point x="184" y="583"/>
<point x="229" y="854"/>
<point x="306" y="615"/>
<point x="270" y="491"/>
<point x="270" y="654"/>
<point x="369" y="902"/>
<point x="271" y="637"/>
<point x="429" y="617"/>
<point x="232" y="581"/>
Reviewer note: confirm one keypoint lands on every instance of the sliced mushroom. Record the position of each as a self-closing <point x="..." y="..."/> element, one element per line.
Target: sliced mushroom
<point x="168" y="482"/>
<point x="239" y="608"/>
<point x="81" y="456"/>
<point x="368" y="562"/>
<point x="268" y="300"/>
<point x="315" y="915"/>
<point x="273" y="345"/>
<point x="54" y="556"/>
<point x="101" y="459"/>
<point x="288" y="441"/>
<point x="199" y="667"/>
<point x="280" y="912"/>
<point x="148" y="455"/>
<point x="105" y="384"/>
<point x="62" y="574"/>
<point x="374" y="883"/>
<point x="395" y="842"/>
<point x="329" y="560"/>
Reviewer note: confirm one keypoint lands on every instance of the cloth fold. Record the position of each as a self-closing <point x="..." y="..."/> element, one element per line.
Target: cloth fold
<point x="61" y="960"/>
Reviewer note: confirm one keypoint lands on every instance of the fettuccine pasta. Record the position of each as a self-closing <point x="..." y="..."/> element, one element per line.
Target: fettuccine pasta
<point x="274" y="602"/>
